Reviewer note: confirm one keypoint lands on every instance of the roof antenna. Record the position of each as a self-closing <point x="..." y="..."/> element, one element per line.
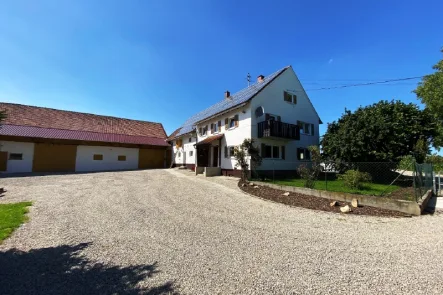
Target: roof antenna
<point x="248" y="77"/>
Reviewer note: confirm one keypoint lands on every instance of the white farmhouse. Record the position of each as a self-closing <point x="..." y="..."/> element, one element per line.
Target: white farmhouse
<point x="275" y="111"/>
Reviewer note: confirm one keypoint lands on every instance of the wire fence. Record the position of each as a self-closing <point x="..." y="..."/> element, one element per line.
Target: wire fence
<point x="382" y="179"/>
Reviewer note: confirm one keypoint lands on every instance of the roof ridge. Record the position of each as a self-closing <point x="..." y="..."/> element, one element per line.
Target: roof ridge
<point x="75" y="112"/>
<point x="79" y="130"/>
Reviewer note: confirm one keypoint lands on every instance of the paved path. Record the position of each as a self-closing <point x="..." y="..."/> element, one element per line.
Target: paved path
<point x="163" y="231"/>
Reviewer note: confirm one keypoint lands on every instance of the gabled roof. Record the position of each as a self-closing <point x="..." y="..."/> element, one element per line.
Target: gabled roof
<point x="45" y="122"/>
<point x="236" y="99"/>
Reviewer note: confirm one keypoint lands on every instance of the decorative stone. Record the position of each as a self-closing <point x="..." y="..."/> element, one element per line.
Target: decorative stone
<point x="345" y="209"/>
<point x="333" y="204"/>
<point x="286" y="194"/>
<point x="243" y="184"/>
<point x="256" y="186"/>
<point x="354" y="203"/>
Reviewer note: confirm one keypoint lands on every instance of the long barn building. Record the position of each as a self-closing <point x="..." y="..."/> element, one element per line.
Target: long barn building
<point x="36" y="139"/>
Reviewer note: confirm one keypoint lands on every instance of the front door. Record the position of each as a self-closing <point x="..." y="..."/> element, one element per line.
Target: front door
<point x="215" y="156"/>
<point x="202" y="155"/>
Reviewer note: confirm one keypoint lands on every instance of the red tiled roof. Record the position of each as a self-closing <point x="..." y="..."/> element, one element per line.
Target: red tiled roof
<point x="52" y="133"/>
<point x="210" y="139"/>
<point x="173" y="134"/>
<point x="24" y="115"/>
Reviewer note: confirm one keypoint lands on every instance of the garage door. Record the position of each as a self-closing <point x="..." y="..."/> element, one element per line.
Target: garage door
<point x="151" y="158"/>
<point x="54" y="158"/>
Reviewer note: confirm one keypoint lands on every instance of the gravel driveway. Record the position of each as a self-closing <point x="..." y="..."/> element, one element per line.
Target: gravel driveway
<point x="163" y="231"/>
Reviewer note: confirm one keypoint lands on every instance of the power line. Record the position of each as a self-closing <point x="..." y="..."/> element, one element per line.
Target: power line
<point x="366" y="84"/>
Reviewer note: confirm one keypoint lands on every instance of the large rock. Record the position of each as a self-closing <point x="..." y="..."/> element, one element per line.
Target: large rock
<point x="345" y="209"/>
<point x="286" y="194"/>
<point x="354" y="203"/>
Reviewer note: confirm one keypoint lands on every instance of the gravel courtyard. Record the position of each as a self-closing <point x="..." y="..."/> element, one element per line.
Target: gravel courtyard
<point x="166" y="231"/>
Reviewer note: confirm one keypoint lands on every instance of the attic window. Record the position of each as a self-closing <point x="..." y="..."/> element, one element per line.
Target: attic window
<point x="289" y="97"/>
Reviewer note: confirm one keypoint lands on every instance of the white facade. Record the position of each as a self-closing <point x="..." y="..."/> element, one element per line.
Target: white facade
<point x="109" y="158"/>
<point x="25" y="149"/>
<point x="186" y="153"/>
<point x="271" y="100"/>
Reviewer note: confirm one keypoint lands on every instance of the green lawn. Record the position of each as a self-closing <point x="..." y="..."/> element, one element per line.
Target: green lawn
<point x="11" y="216"/>
<point x="373" y="189"/>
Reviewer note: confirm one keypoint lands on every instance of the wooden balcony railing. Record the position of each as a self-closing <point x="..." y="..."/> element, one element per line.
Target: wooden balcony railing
<point x="271" y="128"/>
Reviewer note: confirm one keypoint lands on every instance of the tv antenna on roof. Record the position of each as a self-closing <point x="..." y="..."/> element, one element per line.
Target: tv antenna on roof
<point x="248" y="78"/>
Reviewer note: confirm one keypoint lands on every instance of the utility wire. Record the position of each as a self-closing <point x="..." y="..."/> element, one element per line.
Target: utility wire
<point x="366" y="84"/>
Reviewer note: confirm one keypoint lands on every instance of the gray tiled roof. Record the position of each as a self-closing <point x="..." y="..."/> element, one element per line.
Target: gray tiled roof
<point x="237" y="98"/>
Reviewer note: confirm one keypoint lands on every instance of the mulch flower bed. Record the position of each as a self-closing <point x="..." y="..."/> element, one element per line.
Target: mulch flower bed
<point x="311" y="202"/>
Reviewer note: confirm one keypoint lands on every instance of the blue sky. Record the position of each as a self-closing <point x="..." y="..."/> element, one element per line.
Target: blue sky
<point x="166" y="60"/>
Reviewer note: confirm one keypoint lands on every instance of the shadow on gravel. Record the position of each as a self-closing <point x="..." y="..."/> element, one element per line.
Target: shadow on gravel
<point x="64" y="270"/>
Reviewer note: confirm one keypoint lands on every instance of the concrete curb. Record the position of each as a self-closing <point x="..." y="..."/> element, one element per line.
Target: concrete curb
<point x="408" y="207"/>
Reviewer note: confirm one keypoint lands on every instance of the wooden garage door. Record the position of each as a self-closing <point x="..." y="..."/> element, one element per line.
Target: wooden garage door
<point x="151" y="158"/>
<point x="54" y="158"/>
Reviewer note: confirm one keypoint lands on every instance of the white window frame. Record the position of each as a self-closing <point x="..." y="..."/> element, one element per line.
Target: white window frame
<point x="306" y="124"/>
<point x="231" y="121"/>
<point x="293" y="101"/>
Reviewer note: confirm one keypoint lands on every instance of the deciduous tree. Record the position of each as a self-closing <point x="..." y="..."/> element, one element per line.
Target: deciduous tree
<point x="382" y="132"/>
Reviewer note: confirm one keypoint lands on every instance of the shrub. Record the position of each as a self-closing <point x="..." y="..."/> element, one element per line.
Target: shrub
<point x="246" y="151"/>
<point x="310" y="173"/>
<point x="354" y="179"/>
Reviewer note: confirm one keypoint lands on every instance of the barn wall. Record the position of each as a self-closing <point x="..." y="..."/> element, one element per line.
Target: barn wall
<point x="85" y="158"/>
<point x="25" y="148"/>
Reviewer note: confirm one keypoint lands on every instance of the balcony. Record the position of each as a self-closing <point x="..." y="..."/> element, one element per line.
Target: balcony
<point x="278" y="130"/>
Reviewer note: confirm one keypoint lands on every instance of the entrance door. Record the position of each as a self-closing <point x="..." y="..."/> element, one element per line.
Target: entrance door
<point x="215" y="156"/>
<point x="202" y="155"/>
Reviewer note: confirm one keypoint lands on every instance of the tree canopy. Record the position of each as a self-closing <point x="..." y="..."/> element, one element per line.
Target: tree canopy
<point x="384" y="131"/>
<point x="430" y="92"/>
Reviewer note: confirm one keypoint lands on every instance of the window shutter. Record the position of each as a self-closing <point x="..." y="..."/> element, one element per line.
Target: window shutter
<point x="312" y="129"/>
<point x="298" y="153"/>
<point x="262" y="151"/>
<point x="226" y="124"/>
<point x="226" y="151"/>
<point x="266" y="117"/>
<point x="236" y="120"/>
<point x="278" y="118"/>
<point x="219" y="126"/>
<point x="200" y="131"/>
<point x="212" y="128"/>
<point x="307" y="154"/>
<point x="294" y="99"/>
<point x="283" y="152"/>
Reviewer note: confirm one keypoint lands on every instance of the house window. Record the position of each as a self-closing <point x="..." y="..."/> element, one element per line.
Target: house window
<point x="231" y="151"/>
<point x="190" y="139"/>
<point x="276" y="152"/>
<point x="214" y="128"/>
<point x="273" y="151"/>
<point x="15" y="157"/>
<point x="204" y="130"/>
<point x="289" y="97"/>
<point x="97" y="157"/>
<point x="219" y="126"/>
<point x="179" y="154"/>
<point x="191" y="153"/>
<point x="303" y="154"/>
<point x="121" y="158"/>
<point x="231" y="122"/>
<point x="306" y="128"/>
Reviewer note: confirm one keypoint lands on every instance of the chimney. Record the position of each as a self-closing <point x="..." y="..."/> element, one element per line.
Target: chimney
<point x="260" y="78"/>
<point x="227" y="94"/>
